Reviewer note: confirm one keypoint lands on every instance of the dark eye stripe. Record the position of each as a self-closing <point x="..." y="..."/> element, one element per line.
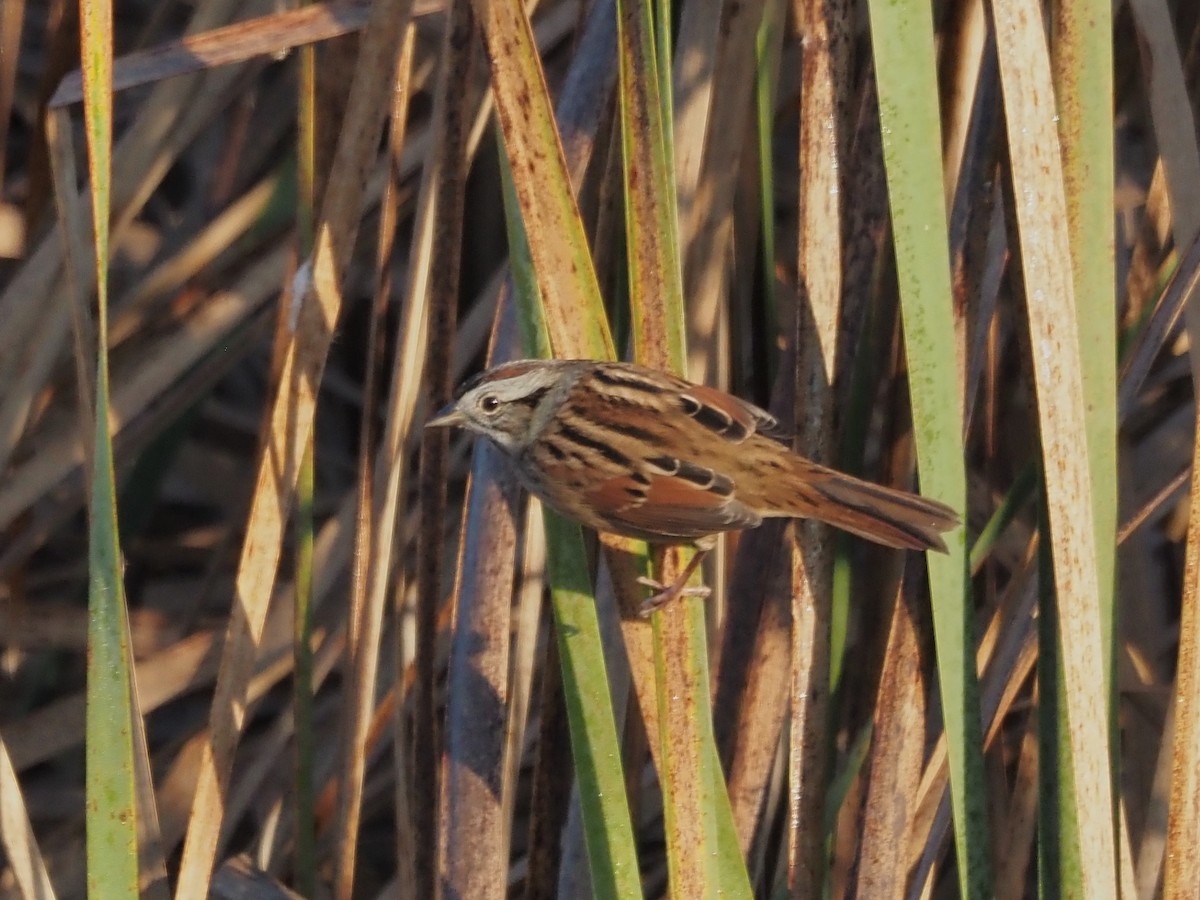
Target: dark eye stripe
<point x="533" y="398"/>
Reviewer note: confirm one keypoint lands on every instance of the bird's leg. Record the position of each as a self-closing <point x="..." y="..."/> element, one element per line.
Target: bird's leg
<point x="664" y="594"/>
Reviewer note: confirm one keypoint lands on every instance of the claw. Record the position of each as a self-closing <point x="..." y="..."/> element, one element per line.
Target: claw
<point x="665" y="593"/>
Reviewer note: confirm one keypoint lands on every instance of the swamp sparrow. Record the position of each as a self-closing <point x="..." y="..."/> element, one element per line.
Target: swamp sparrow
<point x="638" y="452"/>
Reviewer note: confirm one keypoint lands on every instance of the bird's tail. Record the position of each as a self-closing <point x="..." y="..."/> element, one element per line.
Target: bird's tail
<point x="880" y="514"/>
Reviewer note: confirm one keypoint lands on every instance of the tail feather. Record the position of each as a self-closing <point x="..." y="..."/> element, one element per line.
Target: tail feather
<point x="881" y="514"/>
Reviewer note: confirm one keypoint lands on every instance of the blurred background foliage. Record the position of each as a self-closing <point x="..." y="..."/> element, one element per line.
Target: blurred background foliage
<point x="952" y="245"/>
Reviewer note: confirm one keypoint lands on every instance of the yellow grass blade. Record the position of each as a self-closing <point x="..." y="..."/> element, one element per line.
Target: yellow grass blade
<point x="1041" y="214"/>
<point x="112" y="830"/>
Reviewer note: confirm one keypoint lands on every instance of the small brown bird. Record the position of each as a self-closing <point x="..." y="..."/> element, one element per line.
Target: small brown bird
<point x="641" y="453"/>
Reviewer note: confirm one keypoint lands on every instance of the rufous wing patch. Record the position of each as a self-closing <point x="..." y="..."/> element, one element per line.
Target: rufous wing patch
<point x="618" y="494"/>
<point x="671" y="506"/>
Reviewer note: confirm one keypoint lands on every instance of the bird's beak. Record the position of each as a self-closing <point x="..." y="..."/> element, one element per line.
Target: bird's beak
<point x="447" y="417"/>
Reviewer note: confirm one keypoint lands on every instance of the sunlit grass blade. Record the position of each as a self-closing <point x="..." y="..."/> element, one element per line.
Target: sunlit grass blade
<point x="904" y="58"/>
<point x="1083" y="61"/>
<point x="17" y="837"/>
<point x="112" y="826"/>
<point x="595" y="746"/>
<point x="651" y="222"/>
<point x="1083" y="80"/>
<point x="702" y="850"/>
<point x="572" y="309"/>
<point x="558" y="246"/>
<point x="1037" y="172"/>
<point x="595" y="742"/>
<point x="1182" y="858"/>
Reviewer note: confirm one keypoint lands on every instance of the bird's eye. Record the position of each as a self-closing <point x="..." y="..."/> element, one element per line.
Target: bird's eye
<point x="489" y="403"/>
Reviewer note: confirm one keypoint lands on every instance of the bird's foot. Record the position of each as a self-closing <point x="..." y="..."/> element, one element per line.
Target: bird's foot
<point x="664" y="594"/>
